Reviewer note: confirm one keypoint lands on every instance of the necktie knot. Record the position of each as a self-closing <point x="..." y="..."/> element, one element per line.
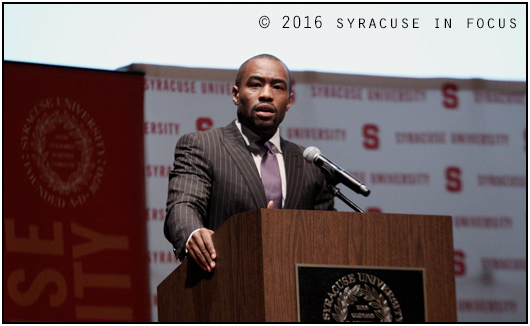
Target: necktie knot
<point x="265" y="146"/>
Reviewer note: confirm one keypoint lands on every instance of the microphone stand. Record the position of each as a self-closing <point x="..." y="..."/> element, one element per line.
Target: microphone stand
<point x="336" y="192"/>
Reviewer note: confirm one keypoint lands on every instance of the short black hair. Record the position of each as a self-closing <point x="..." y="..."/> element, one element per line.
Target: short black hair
<point x="243" y="67"/>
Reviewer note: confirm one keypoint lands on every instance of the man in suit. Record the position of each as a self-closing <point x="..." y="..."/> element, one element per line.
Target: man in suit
<point x="225" y="171"/>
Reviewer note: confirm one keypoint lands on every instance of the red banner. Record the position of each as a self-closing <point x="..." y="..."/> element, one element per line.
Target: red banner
<point x="74" y="242"/>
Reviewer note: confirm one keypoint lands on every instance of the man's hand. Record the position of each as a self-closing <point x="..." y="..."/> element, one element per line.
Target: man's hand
<point x="270" y="205"/>
<point x="200" y="248"/>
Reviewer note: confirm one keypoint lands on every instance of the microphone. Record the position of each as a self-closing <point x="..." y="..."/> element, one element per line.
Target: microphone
<point x="337" y="173"/>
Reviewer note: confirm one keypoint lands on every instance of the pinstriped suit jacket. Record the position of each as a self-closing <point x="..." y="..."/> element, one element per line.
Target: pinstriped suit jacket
<point x="214" y="177"/>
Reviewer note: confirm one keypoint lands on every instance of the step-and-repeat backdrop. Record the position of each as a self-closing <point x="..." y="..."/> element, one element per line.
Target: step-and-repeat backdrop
<point x="422" y="146"/>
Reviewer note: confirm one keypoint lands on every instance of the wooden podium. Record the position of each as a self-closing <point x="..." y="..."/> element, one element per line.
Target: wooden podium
<point x="255" y="277"/>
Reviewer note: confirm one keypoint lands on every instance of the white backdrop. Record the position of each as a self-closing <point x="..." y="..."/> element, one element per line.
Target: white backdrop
<point x="422" y="146"/>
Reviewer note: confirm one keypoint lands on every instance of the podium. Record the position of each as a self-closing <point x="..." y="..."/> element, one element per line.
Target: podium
<point x="255" y="279"/>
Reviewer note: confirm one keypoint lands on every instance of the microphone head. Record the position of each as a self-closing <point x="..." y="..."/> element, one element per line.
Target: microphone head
<point x="310" y="153"/>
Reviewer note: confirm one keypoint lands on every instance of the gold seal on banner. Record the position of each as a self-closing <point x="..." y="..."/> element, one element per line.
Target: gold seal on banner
<point x="361" y="298"/>
<point x="63" y="152"/>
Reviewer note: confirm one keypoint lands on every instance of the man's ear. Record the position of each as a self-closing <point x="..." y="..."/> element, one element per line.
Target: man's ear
<point x="235" y="94"/>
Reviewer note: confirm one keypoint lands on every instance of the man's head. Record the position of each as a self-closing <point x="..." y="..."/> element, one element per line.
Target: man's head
<point x="262" y="94"/>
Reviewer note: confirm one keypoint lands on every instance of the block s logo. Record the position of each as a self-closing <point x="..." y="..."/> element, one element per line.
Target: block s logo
<point x="449" y="92"/>
<point x="453" y="176"/>
<point x="459" y="258"/>
<point x="371" y="136"/>
<point x="204" y="124"/>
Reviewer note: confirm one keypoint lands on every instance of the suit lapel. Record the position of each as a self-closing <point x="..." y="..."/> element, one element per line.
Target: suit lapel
<point x="235" y="147"/>
<point x="294" y="170"/>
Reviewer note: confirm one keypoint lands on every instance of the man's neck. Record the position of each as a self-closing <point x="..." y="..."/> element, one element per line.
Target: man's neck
<point x="251" y="137"/>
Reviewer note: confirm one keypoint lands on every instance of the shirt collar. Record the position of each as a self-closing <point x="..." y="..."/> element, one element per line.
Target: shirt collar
<point x="250" y="137"/>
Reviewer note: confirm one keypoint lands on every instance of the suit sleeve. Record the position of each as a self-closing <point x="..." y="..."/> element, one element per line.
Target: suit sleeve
<point x="188" y="192"/>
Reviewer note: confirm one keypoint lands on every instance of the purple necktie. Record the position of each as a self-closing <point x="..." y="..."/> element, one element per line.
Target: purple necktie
<point x="270" y="175"/>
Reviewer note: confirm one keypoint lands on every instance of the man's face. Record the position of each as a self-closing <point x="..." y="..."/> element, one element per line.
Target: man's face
<point x="263" y="97"/>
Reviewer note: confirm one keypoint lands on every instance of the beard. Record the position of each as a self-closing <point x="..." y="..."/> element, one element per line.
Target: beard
<point x="254" y="123"/>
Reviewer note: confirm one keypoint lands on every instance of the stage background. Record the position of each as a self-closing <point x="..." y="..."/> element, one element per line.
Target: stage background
<point x="423" y="146"/>
<point x="84" y="204"/>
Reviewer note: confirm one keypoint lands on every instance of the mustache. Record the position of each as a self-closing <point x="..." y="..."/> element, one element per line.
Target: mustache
<point x="267" y="107"/>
